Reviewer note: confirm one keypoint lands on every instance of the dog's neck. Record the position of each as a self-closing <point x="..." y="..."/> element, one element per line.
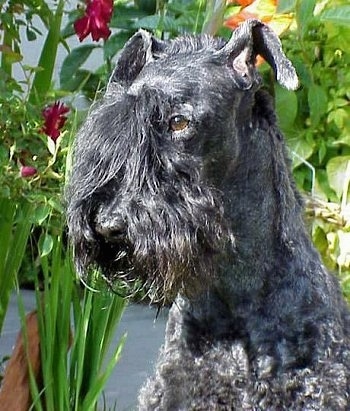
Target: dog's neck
<point x="268" y="279"/>
<point x="264" y="209"/>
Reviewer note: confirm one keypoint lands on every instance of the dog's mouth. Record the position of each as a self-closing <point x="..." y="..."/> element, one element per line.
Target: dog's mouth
<point x="114" y="255"/>
<point x="155" y="248"/>
<point x="155" y="277"/>
<point x="156" y="265"/>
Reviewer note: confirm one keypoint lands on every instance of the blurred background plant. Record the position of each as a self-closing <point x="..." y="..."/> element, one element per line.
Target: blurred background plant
<point x="42" y="106"/>
<point x="316" y="122"/>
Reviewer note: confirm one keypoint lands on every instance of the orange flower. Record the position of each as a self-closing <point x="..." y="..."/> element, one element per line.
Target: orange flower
<point x="234" y="21"/>
<point x="243" y="3"/>
<point x="263" y="10"/>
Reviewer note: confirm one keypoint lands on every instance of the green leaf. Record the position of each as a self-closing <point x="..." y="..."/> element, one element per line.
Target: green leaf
<point x="100" y="382"/>
<point x="344" y="249"/>
<point x="115" y="43"/>
<point x="15" y="228"/>
<point x="322" y="187"/>
<point x="46" y="245"/>
<point x="339" y="117"/>
<point x="338" y="172"/>
<point x="11" y="55"/>
<point x="124" y="16"/>
<point x="55" y="204"/>
<point x="78" y="81"/>
<point x="73" y="62"/>
<point x="320" y="239"/>
<point x="214" y="18"/>
<point x="286" y="107"/>
<point x="303" y="71"/>
<point x="68" y="30"/>
<point x="301" y="148"/>
<point x="339" y="15"/>
<point x="322" y="151"/>
<point x="304" y="14"/>
<point x="149" y="6"/>
<point x="156" y="22"/>
<point x="318" y="103"/>
<point x="40" y="214"/>
<point x="285" y="6"/>
<point x="31" y="35"/>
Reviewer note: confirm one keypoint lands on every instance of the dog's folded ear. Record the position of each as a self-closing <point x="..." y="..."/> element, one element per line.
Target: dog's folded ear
<point x="137" y="52"/>
<point x="247" y="41"/>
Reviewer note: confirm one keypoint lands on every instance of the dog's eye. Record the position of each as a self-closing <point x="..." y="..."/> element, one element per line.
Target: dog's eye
<point x="178" y="123"/>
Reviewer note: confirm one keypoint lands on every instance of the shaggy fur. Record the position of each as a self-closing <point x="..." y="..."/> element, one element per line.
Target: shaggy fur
<point x="181" y="186"/>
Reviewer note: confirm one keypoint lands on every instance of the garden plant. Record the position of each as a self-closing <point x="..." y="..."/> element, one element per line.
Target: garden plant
<point x="41" y="108"/>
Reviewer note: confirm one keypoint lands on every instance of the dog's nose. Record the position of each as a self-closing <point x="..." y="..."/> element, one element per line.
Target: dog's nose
<point x="110" y="228"/>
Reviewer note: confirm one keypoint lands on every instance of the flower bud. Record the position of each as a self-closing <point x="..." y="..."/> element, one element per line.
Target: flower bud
<point x="28" y="171"/>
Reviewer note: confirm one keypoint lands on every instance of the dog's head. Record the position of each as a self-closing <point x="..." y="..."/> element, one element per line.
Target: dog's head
<point x="145" y="197"/>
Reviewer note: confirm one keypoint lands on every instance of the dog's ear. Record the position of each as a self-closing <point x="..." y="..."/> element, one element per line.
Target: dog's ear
<point x="137" y="52"/>
<point x="247" y="41"/>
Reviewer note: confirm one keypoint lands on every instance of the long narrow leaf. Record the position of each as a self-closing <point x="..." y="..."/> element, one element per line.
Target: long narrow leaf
<point x="14" y="232"/>
<point x="96" y="390"/>
<point x="43" y="78"/>
<point x="214" y="16"/>
<point x="337" y="15"/>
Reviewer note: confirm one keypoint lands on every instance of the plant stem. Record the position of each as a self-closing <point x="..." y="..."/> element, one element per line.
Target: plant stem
<point x="214" y="16"/>
<point x="7" y="43"/>
<point x="42" y="79"/>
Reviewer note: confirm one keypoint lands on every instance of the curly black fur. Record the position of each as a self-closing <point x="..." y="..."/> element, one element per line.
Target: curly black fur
<point x="181" y="185"/>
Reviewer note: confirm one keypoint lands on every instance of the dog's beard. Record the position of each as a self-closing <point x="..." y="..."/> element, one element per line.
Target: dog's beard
<point x="162" y="251"/>
<point x="159" y="275"/>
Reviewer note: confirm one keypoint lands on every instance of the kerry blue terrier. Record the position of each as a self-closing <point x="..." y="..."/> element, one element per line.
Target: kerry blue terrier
<point x="181" y="186"/>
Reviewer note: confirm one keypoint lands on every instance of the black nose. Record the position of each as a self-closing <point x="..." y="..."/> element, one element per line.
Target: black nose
<point x="112" y="228"/>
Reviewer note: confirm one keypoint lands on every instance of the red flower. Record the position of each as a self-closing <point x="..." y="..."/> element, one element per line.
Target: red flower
<point x="28" y="171"/>
<point x="54" y="119"/>
<point x="98" y="14"/>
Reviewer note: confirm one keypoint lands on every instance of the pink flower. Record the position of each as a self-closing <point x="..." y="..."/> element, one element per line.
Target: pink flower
<point x="54" y="119"/>
<point x="28" y="171"/>
<point x="97" y="16"/>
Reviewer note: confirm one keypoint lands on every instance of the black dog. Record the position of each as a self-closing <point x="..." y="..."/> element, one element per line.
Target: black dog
<point x="180" y="186"/>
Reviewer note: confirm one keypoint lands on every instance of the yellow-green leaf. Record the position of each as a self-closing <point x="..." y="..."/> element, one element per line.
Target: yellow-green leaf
<point x="338" y="172"/>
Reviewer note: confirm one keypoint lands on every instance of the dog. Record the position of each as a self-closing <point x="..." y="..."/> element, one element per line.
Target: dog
<point x="181" y="187"/>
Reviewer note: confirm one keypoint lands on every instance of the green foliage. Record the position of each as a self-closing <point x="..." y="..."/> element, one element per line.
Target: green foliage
<point x="23" y="142"/>
<point x="74" y="347"/>
<point x="15" y="226"/>
<point x="316" y="121"/>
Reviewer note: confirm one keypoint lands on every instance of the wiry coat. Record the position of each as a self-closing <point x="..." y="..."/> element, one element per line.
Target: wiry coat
<point x="181" y="184"/>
